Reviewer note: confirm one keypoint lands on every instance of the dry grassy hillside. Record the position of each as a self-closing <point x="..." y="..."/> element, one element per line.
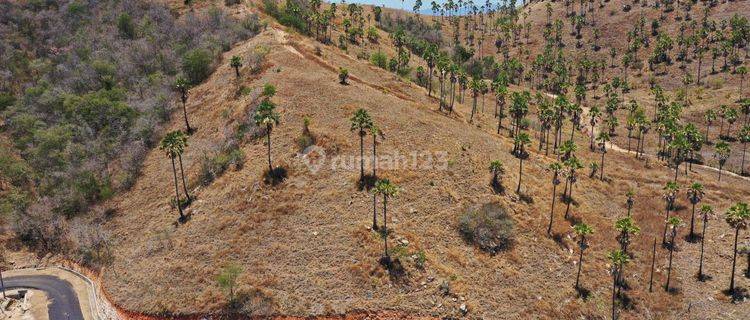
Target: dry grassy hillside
<point x="305" y="245"/>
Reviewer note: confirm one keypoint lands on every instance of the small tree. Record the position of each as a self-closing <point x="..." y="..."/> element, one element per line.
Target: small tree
<point x="556" y="168"/>
<point x="171" y="145"/>
<point x="581" y="230"/>
<point x="343" y="75"/>
<point x="572" y="164"/>
<point x="521" y="141"/>
<point x="617" y="259"/>
<point x="707" y="213"/>
<point x="236" y="63"/>
<point x="673" y="223"/>
<point x="721" y="153"/>
<point x="695" y="194"/>
<point x="361" y="123"/>
<point x="497" y="169"/>
<point x="738" y="217"/>
<point x="670" y="194"/>
<point x="267" y="116"/>
<point x="227" y="280"/>
<point x="388" y="190"/>
<point x="630" y="200"/>
<point x="182" y="84"/>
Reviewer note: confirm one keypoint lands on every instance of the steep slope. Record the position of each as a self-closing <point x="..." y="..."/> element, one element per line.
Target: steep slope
<point x="305" y="246"/>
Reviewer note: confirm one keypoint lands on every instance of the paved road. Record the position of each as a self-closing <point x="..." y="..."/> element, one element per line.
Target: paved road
<point x="64" y="303"/>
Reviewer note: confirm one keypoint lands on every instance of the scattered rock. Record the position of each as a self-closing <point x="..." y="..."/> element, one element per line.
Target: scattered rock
<point x="464" y="310"/>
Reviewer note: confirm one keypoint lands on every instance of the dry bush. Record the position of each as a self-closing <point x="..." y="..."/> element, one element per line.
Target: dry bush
<point x="489" y="227"/>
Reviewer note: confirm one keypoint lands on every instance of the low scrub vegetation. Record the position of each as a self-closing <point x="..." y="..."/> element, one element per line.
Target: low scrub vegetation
<point x="489" y="227"/>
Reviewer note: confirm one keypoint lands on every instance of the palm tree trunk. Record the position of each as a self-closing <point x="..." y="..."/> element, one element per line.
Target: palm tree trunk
<point x="520" y="173"/>
<point x="601" y="169"/>
<point x="184" y="184"/>
<point x="671" y="251"/>
<point x="361" y="155"/>
<point x="734" y="260"/>
<point x="614" y="293"/>
<point x="385" y="223"/>
<point x="184" y="112"/>
<point x="653" y="264"/>
<point x="374" y="211"/>
<point x="703" y="239"/>
<point x="268" y="140"/>
<point x="374" y="160"/>
<point x="742" y="164"/>
<point x="177" y="190"/>
<point x="580" y="262"/>
<point x="552" y="210"/>
<point x="692" y="221"/>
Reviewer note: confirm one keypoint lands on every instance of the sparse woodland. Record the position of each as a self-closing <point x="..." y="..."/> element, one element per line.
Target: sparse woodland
<point x="596" y="155"/>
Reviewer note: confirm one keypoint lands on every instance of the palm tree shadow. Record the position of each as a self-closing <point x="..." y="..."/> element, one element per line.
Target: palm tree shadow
<point x="497" y="187"/>
<point x="184" y="219"/>
<point x="693" y="238"/>
<point x="573" y="219"/>
<point x="739" y="294"/>
<point x="704" y="277"/>
<point x="527" y="198"/>
<point x="674" y="291"/>
<point x="583" y="293"/>
<point x="625" y="301"/>
<point x="367" y="182"/>
<point x="275" y="176"/>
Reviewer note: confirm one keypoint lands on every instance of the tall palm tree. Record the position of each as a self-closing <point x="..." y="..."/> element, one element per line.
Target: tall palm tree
<point x="267" y="116"/>
<point x="388" y="190"/>
<point x="673" y="222"/>
<point x="707" y="213"/>
<point x="602" y="138"/>
<point x="722" y="153"/>
<point x="582" y="230"/>
<point x="361" y="123"/>
<point x="182" y="84"/>
<point x="738" y="217"/>
<point x="521" y="141"/>
<point x="744" y="137"/>
<point x="180" y="141"/>
<point x="556" y="168"/>
<point x="670" y="194"/>
<point x="170" y="145"/>
<point x="594" y="115"/>
<point x="695" y="194"/>
<point x="627" y="229"/>
<point x="236" y="63"/>
<point x="617" y="260"/>
<point x="572" y="164"/>
<point x="475" y="86"/>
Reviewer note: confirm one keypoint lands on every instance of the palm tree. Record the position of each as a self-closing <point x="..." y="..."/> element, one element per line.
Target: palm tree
<point x="707" y="213"/>
<point x="721" y="152"/>
<point x="572" y="164"/>
<point x="710" y="117"/>
<point x="744" y="137"/>
<point x="738" y="217"/>
<point x="476" y="86"/>
<point x="673" y="223"/>
<point x="387" y="189"/>
<point x="582" y="230"/>
<point x="521" y="141"/>
<point x="630" y="201"/>
<point x="670" y="193"/>
<point x="236" y="63"/>
<point x="180" y="141"/>
<point x="267" y="116"/>
<point x="618" y="259"/>
<point x="594" y="115"/>
<point x="182" y="86"/>
<point x="361" y="122"/>
<point x="627" y="228"/>
<point x="602" y="138"/>
<point x="556" y="168"/>
<point x="695" y="194"/>
<point x="496" y="168"/>
<point x="171" y="146"/>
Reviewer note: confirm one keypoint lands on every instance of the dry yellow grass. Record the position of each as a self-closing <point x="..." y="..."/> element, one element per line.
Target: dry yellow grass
<point x="304" y="244"/>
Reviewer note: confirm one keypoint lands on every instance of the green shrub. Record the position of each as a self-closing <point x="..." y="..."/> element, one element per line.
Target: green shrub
<point x="126" y="26"/>
<point x="379" y="59"/>
<point x="6" y="100"/>
<point x="490" y="227"/>
<point x="214" y="166"/>
<point x="196" y="64"/>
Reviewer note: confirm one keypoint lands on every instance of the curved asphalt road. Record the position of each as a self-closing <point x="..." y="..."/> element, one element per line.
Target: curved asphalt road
<point x="64" y="303"/>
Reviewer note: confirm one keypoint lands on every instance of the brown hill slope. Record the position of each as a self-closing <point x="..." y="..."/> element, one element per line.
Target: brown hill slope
<point x="305" y="246"/>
